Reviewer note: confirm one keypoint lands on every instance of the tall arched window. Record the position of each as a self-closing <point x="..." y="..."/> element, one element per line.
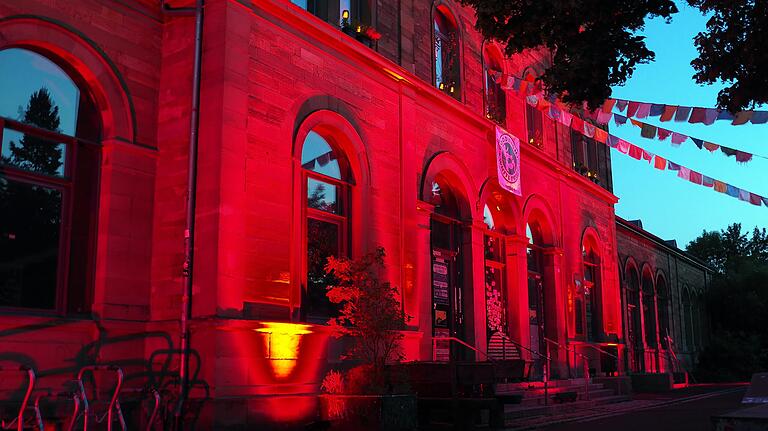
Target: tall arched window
<point x="663" y="310"/>
<point x="494" y="95"/>
<point x="448" y="263"/>
<point x="634" y="318"/>
<point x="588" y="297"/>
<point x="534" y="120"/>
<point x="49" y="174"/>
<point x="497" y="218"/>
<point x="536" y="297"/>
<point x="447" y="53"/>
<point x="649" y="310"/>
<point x="327" y="184"/>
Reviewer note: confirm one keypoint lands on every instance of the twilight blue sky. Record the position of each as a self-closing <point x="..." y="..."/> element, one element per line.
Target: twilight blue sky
<point x="670" y="207"/>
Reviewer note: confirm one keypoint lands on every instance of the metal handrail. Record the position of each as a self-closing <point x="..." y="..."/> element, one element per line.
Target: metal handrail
<point x="462" y="342"/>
<point x="602" y="351"/>
<point x="585" y="363"/>
<point x="547" y="358"/>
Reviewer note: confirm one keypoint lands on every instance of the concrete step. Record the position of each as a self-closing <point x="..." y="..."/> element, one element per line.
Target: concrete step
<point x="593" y="395"/>
<point x="537" y="385"/>
<point x="504" y="388"/>
<point x="517" y="412"/>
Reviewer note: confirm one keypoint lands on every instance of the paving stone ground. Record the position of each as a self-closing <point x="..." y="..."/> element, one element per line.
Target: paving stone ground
<point x="639" y="402"/>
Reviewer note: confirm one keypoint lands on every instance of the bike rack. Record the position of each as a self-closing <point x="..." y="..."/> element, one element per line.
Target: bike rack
<point x="18" y="421"/>
<point x="114" y="403"/>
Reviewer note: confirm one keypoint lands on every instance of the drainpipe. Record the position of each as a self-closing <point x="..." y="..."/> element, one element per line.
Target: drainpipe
<point x="189" y="229"/>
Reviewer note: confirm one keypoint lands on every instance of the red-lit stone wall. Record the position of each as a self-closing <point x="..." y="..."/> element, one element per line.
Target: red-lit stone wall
<point x="113" y="51"/>
<point x="270" y="73"/>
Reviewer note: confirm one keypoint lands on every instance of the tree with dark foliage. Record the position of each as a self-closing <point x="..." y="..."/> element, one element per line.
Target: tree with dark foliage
<point x="733" y="50"/>
<point x="595" y="45"/>
<point x="737" y="301"/>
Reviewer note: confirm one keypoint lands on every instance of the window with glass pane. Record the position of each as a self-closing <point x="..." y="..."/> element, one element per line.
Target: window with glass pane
<point x="30" y="226"/>
<point x="332" y="11"/>
<point x="588" y="301"/>
<point x="327" y="180"/>
<point x="446" y="54"/>
<point x="534" y="122"/>
<point x="49" y="169"/>
<point x="495" y="96"/>
<point x="323" y="241"/>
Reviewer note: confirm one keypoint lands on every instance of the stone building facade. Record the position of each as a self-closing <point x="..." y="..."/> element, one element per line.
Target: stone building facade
<point x="315" y="139"/>
<point x="663" y="287"/>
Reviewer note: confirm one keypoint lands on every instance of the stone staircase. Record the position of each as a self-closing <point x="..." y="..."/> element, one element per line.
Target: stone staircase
<point x="533" y="404"/>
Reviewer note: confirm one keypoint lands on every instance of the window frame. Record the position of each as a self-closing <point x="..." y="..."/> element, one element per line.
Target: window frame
<point x="499" y="114"/>
<point x="441" y="10"/>
<point x="342" y="219"/>
<point x="66" y="185"/>
<point x="534" y="121"/>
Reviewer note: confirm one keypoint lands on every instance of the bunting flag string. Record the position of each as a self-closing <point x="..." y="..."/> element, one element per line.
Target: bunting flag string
<point x="651" y="132"/>
<point x="634" y="109"/>
<point x="639" y="153"/>
<point x="691" y="114"/>
<point x="559" y="112"/>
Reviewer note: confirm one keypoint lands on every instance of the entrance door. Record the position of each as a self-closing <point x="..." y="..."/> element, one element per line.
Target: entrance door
<point x="536" y="320"/>
<point x="447" y="293"/>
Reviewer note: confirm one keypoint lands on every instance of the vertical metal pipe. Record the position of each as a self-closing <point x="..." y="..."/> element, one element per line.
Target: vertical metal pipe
<point x="189" y="230"/>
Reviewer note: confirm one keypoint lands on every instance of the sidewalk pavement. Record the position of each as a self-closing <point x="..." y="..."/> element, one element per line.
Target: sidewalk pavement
<point x="642" y="401"/>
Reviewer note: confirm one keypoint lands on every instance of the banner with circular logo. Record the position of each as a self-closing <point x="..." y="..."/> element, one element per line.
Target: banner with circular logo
<point x="508" y="161"/>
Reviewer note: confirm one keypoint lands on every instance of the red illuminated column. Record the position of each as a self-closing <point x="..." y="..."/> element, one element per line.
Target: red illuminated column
<point x="517" y="287"/>
<point x="422" y="314"/>
<point x="556" y="313"/>
<point x="474" y="288"/>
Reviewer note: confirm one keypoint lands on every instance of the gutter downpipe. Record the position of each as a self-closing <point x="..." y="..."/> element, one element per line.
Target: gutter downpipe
<point x="189" y="229"/>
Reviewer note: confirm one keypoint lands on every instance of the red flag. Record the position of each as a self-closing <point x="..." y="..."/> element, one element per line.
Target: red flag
<point x="660" y="163"/>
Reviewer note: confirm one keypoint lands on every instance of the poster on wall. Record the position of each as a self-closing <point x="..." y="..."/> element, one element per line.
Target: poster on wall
<point x="508" y="161"/>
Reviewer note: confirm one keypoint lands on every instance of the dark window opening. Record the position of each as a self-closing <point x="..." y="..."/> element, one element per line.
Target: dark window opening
<point x="326" y="203"/>
<point x="49" y="176"/>
<point x="446" y="54"/>
<point x="495" y="96"/>
<point x="591" y="159"/>
<point x="535" y="126"/>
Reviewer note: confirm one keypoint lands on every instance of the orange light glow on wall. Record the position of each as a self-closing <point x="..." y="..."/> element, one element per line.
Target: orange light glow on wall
<point x="282" y="344"/>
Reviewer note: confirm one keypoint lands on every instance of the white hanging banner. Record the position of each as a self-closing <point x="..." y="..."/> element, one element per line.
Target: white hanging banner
<point x="508" y="161"/>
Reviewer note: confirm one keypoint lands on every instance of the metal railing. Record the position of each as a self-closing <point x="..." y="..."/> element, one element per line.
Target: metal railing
<point x="459" y="341"/>
<point x="585" y="363"/>
<point x="546" y="357"/>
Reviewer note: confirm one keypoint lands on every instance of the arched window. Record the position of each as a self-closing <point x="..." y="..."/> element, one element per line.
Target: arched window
<point x="634" y="318"/>
<point x="534" y="120"/>
<point x="494" y="95"/>
<point x="649" y="310"/>
<point x="536" y="297"/>
<point x="447" y="53"/>
<point x="495" y="213"/>
<point x="49" y="172"/>
<point x="663" y="310"/>
<point x="327" y="183"/>
<point x="588" y="297"/>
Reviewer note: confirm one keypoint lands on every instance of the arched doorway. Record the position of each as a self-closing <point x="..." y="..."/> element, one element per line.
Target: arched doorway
<point x="537" y="304"/>
<point x="448" y="266"/>
<point x="500" y="224"/>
